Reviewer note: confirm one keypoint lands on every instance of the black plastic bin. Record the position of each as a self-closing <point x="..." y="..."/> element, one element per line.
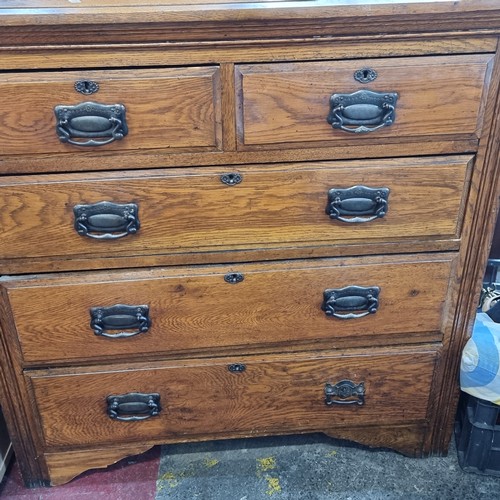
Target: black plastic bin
<point x="477" y="433"/>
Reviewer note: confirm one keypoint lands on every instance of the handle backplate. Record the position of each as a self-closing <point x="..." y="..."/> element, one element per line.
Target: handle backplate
<point x="133" y="406"/>
<point x="350" y="302"/>
<point x="119" y="321"/>
<point x="106" y="220"/>
<point x="357" y="203"/>
<point x="91" y="123"/>
<point x="362" y="111"/>
<point x="345" y="392"/>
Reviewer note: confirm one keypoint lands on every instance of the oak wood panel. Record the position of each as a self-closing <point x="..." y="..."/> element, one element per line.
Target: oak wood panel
<point x="173" y="108"/>
<point x="288" y="103"/>
<point x="159" y="158"/>
<point x="64" y="466"/>
<point x="194" y="308"/>
<point x="144" y="22"/>
<point x="204" y="397"/>
<point x="482" y="211"/>
<point x="406" y="439"/>
<point x="180" y="210"/>
<point x="18" y="409"/>
<point x="228" y="107"/>
<point x="271" y="252"/>
<point x="114" y="34"/>
<point x="241" y="51"/>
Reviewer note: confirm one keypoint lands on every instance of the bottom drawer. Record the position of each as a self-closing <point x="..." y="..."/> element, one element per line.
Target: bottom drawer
<point x="254" y="395"/>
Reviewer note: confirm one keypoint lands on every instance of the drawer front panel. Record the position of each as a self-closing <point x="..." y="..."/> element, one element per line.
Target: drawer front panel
<point x="205" y="397"/>
<point x="289" y="103"/>
<point x="212" y="308"/>
<point x="181" y="210"/>
<point x="163" y="108"/>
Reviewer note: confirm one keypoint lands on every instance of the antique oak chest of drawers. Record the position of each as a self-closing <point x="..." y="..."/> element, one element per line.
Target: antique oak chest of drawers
<point x="223" y="219"/>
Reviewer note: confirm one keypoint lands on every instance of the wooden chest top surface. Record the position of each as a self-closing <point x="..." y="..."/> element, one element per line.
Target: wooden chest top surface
<point x="260" y="19"/>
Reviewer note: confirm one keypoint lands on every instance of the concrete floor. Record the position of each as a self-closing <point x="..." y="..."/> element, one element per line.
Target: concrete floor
<point x="311" y="467"/>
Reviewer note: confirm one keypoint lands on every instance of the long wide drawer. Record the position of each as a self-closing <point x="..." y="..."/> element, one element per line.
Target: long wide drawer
<point x="72" y="112"/>
<point x="227" y="396"/>
<point x="181" y="210"/>
<point x="360" y="100"/>
<point x="209" y="309"/>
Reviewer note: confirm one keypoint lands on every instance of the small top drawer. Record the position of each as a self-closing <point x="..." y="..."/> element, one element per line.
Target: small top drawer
<point x="358" y="100"/>
<point x="68" y="112"/>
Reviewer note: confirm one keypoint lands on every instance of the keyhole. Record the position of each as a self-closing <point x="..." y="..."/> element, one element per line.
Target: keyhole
<point x="365" y="75"/>
<point x="86" y="87"/>
<point x="231" y="179"/>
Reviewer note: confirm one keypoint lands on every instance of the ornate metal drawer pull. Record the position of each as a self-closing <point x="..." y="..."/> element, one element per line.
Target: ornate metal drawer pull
<point x="349" y="300"/>
<point x="347" y="392"/>
<point x="106" y="220"/>
<point x="83" y="123"/>
<point x="120" y="318"/>
<point x="133" y="406"/>
<point x="350" y="204"/>
<point x="362" y="111"/>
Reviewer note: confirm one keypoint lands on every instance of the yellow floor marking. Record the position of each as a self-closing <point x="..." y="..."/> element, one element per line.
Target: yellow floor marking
<point x="273" y="485"/>
<point x="170" y="479"/>
<point x="268" y="464"/>
<point x="210" y="462"/>
<point x="265" y="464"/>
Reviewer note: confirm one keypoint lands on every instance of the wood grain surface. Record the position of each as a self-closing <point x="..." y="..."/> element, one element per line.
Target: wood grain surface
<point x="65" y="465"/>
<point x="213" y="87"/>
<point x="289" y="102"/>
<point x="185" y="210"/>
<point x="156" y="22"/>
<point x="104" y="160"/>
<point x="482" y="215"/>
<point x="204" y="397"/>
<point x="194" y="308"/>
<point x="167" y="108"/>
<point x="244" y="51"/>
